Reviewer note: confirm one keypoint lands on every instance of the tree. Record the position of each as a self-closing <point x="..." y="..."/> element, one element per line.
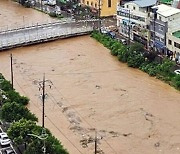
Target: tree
<point x="53" y="146"/>
<point x="176" y="81"/>
<point x="136" y="47"/>
<point x="165" y="68"/>
<point x="15" y="96"/>
<point x="135" y="60"/>
<point x="150" y="56"/>
<point x="13" y="112"/>
<point x="12" y="95"/>
<point x="19" y="131"/>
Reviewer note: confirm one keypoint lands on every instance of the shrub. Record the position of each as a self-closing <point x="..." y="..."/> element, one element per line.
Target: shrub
<point x="176" y="81"/>
<point x="135" y="60"/>
<point x="165" y="69"/>
<point x="135" y="57"/>
<point x="11" y="111"/>
<point x="136" y="47"/>
<point x="149" y="68"/>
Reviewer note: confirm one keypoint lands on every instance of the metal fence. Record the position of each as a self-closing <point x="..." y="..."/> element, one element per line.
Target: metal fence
<point x="42" y="33"/>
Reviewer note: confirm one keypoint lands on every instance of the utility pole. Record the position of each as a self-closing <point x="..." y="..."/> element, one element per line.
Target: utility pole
<point x="95" y="141"/>
<point x="42" y="87"/>
<point x="12" y="78"/>
<point x="129" y="29"/>
<point x="43" y="100"/>
<point x="99" y="15"/>
<point x="41" y="6"/>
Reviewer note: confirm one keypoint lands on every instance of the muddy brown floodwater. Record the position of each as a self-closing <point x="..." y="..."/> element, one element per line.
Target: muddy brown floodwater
<point x="131" y="112"/>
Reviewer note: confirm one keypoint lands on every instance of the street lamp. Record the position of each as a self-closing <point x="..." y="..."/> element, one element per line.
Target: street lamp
<point x="42" y="137"/>
<point x="99" y="14"/>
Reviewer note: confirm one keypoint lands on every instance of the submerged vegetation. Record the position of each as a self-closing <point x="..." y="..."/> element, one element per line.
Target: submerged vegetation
<point x="135" y="57"/>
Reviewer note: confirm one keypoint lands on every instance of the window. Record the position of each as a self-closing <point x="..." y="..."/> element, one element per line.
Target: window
<point x="87" y="2"/>
<point x="134" y="8"/>
<point x="127" y="6"/>
<point x="161" y="28"/>
<point x="177" y="45"/>
<point x="160" y="18"/>
<point x="95" y="5"/>
<point x="169" y="42"/>
<point x="91" y="3"/>
<point x="161" y="39"/>
<point x="109" y="3"/>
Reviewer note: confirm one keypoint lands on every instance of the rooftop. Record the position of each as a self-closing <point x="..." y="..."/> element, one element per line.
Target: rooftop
<point x="144" y="3"/>
<point x="176" y="34"/>
<point x="166" y="10"/>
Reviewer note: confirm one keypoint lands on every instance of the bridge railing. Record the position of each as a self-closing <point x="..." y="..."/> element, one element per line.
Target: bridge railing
<point x="7" y="28"/>
<point x="44" y="36"/>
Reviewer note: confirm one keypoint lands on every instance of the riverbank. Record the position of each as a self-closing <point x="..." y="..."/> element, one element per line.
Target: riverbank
<point x="136" y="57"/>
<point x="92" y="91"/>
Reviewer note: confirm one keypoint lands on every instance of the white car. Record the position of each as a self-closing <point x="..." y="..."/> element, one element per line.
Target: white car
<point x="177" y="72"/>
<point x="123" y="41"/>
<point x="4" y="139"/>
<point x="9" y="151"/>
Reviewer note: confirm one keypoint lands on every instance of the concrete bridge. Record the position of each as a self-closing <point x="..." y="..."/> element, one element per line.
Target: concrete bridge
<point x="38" y="33"/>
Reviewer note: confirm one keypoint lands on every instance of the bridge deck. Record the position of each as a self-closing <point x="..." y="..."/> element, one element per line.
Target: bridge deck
<point x="43" y="33"/>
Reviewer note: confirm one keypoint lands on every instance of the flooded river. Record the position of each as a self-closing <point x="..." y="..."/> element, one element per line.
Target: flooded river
<point x="92" y="91"/>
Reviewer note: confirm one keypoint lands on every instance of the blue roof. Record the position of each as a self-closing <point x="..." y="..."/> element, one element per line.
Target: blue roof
<point x="145" y="3"/>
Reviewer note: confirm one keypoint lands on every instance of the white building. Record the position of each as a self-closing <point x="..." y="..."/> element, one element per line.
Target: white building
<point x="133" y="19"/>
<point x="173" y="38"/>
<point x="164" y="22"/>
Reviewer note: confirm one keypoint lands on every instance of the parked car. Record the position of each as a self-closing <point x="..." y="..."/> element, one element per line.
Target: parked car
<point x="9" y="151"/>
<point x="123" y="41"/>
<point x="112" y="34"/>
<point x="103" y="30"/>
<point x="4" y="139"/>
<point x="177" y="72"/>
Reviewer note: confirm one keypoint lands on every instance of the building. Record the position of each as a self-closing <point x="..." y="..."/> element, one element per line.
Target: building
<point x="176" y="4"/>
<point x="161" y="18"/>
<point x="108" y="7"/>
<point x="173" y="39"/>
<point x="133" y="19"/>
<point x="173" y="44"/>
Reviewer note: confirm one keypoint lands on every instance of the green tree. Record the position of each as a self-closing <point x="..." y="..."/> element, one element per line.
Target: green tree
<point x="136" y="47"/>
<point x="135" y="60"/>
<point x="165" y="69"/>
<point x="19" y="131"/>
<point x="53" y="146"/>
<point x="15" y="96"/>
<point x="176" y="81"/>
<point x="12" y="95"/>
<point x="13" y="112"/>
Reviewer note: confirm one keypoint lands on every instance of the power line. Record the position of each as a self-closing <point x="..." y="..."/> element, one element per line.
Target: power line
<point x="83" y="118"/>
<point x="78" y="114"/>
<point x="48" y="117"/>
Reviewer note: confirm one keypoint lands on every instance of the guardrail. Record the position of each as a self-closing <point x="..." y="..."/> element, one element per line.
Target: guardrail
<point x="29" y="39"/>
<point x="46" y="24"/>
